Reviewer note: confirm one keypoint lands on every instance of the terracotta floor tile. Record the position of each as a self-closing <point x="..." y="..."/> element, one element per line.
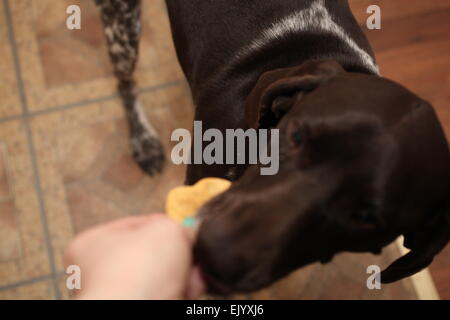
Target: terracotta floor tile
<point x="23" y="252"/>
<point x="9" y="233"/>
<point x="62" y="66"/>
<point x="42" y="290"/>
<point x="5" y="175"/>
<point x="9" y="96"/>
<point x="87" y="173"/>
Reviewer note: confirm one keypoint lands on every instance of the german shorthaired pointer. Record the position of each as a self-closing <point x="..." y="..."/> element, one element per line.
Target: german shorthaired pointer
<point x="362" y="159"/>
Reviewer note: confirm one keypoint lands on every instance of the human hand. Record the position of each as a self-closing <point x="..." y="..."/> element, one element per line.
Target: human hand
<point x="145" y="257"/>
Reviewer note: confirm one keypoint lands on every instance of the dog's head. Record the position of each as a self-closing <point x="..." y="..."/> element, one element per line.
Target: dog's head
<point x="362" y="161"/>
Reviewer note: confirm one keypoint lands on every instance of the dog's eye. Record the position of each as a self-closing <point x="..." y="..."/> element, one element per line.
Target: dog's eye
<point x="297" y="137"/>
<point x="365" y="214"/>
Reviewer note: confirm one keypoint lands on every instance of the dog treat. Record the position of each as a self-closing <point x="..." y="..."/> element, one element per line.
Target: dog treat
<point x="183" y="202"/>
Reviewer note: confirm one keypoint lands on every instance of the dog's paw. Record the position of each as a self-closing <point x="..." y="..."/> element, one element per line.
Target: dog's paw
<point x="148" y="153"/>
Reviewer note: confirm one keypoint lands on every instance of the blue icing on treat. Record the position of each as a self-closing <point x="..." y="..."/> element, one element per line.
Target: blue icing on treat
<point x="189" y="222"/>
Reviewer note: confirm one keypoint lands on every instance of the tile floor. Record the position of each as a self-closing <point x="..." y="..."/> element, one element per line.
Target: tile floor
<point x="65" y="162"/>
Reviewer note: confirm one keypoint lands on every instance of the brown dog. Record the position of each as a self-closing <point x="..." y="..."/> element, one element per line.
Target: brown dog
<point x="362" y="159"/>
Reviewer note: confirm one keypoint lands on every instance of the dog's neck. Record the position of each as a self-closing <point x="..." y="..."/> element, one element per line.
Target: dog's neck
<point x="314" y="18"/>
<point x="320" y="30"/>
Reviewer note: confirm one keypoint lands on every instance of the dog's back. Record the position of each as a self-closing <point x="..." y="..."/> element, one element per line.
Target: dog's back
<point x="211" y="36"/>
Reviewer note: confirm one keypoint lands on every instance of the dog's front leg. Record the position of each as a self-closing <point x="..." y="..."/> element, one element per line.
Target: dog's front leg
<point x="122" y="26"/>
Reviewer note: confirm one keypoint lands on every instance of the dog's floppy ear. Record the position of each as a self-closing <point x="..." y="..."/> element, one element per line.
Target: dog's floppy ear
<point x="427" y="239"/>
<point x="276" y="91"/>
<point x="424" y="245"/>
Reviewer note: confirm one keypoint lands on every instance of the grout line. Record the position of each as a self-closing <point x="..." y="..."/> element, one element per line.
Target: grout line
<point x="42" y="208"/>
<point x="71" y="106"/>
<point x="25" y="282"/>
<point x="102" y="99"/>
<point x="29" y="281"/>
<point x="12" y="41"/>
<point x="10" y="118"/>
<point x="161" y="86"/>
<point x="32" y="151"/>
<point x="88" y="102"/>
